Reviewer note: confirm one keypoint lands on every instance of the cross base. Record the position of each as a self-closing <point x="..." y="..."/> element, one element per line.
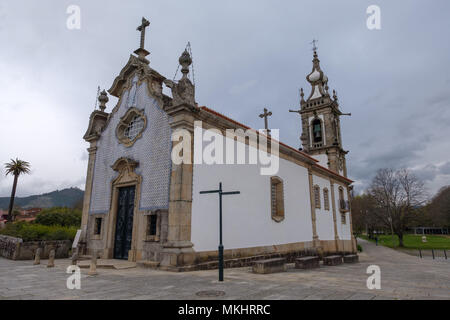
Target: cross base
<point x="142" y="53"/>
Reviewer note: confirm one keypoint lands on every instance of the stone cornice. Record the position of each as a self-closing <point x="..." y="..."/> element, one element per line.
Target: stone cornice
<point x="97" y="121"/>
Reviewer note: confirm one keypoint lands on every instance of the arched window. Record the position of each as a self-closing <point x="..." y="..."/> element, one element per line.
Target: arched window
<point x="277" y="199"/>
<point x="317" y="131"/>
<point x="326" y="199"/>
<point x="317" y="197"/>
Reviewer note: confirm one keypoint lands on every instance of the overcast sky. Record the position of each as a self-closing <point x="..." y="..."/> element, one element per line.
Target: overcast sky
<point x="247" y="55"/>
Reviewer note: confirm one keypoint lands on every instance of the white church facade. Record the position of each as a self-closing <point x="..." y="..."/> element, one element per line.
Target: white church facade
<point x="142" y="206"/>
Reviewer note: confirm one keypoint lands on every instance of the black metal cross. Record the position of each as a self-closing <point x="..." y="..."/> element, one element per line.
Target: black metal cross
<point x="221" y="193"/>
<point x="314" y="45"/>
<point x="141" y="28"/>
<point x="265" y="115"/>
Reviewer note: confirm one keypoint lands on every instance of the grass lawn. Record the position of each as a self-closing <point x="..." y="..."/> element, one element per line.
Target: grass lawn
<point x="414" y="242"/>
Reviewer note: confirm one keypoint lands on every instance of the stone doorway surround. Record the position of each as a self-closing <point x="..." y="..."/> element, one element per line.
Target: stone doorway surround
<point x="127" y="178"/>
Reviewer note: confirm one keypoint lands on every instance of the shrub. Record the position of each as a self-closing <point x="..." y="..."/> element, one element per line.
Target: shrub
<point x="360" y="249"/>
<point x="59" y="217"/>
<point x="32" y="231"/>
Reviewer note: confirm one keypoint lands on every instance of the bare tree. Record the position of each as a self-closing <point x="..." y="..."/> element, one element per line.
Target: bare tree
<point x="397" y="194"/>
<point x="363" y="217"/>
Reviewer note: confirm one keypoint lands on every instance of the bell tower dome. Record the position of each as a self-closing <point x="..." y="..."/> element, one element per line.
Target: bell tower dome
<point x="321" y="129"/>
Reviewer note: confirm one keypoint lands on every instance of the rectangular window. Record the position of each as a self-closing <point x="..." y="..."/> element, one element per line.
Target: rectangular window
<point x="152" y="224"/>
<point x="326" y="199"/>
<point x="98" y="226"/>
<point x="317" y="197"/>
<point x="277" y="199"/>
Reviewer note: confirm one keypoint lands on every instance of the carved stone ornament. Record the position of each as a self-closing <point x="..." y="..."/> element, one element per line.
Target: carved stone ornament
<point x="131" y="126"/>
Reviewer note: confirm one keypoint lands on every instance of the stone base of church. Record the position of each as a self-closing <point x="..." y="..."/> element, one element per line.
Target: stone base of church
<point x="179" y="261"/>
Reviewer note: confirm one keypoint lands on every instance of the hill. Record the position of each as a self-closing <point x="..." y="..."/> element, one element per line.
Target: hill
<point x="59" y="198"/>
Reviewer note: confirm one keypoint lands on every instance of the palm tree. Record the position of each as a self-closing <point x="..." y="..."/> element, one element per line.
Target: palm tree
<point x="16" y="168"/>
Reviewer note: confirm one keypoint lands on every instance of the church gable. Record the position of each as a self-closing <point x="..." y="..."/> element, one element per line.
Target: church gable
<point x="139" y="115"/>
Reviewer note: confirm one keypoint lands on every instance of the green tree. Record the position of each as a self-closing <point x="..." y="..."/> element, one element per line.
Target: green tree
<point x="65" y="217"/>
<point x="15" y="168"/>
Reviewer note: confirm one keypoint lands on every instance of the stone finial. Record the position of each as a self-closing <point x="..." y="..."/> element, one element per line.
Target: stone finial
<point x="93" y="265"/>
<point x="183" y="92"/>
<point x="51" y="259"/>
<point x="37" y="256"/>
<point x="103" y="99"/>
<point x="302" y="95"/>
<point x="335" y="97"/>
<point x="185" y="61"/>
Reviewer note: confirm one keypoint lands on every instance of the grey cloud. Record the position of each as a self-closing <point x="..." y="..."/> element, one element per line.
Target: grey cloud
<point x="247" y="55"/>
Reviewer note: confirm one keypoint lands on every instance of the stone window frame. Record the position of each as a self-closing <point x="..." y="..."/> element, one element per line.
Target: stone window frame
<point x="317" y="197"/>
<point x="94" y="234"/>
<point x="322" y="132"/>
<point x="343" y="218"/>
<point x="98" y="226"/>
<point x="156" y="237"/>
<point x="125" y="121"/>
<point x="277" y="199"/>
<point x="326" y="199"/>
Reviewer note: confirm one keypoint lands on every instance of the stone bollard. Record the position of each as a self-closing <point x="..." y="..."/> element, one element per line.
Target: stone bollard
<point x="51" y="259"/>
<point x="93" y="266"/>
<point x="37" y="256"/>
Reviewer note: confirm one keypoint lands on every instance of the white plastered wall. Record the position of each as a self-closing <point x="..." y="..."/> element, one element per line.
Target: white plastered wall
<point x="247" y="220"/>
<point x="324" y="218"/>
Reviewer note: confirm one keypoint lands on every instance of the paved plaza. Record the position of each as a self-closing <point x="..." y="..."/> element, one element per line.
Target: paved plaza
<point x="402" y="277"/>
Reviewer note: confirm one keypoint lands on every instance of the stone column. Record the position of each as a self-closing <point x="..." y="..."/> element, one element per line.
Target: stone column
<point x="87" y="194"/>
<point x="316" y="241"/>
<point x="333" y="203"/>
<point x="178" y="250"/>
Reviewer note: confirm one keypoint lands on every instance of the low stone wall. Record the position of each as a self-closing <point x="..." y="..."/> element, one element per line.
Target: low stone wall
<point x="17" y="249"/>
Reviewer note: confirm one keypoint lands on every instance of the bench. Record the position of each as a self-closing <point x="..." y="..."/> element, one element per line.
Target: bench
<point x="307" y="263"/>
<point x="269" y="266"/>
<point x="351" y="258"/>
<point x="332" y="260"/>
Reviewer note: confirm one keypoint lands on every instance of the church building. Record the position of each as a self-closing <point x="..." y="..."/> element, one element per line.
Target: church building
<point x="142" y="206"/>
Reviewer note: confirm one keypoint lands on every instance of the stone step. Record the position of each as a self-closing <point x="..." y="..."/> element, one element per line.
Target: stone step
<point x="108" y="264"/>
<point x="332" y="260"/>
<point x="84" y="257"/>
<point x="148" y="264"/>
<point x="351" y="258"/>
<point x="269" y="266"/>
<point x="307" y="263"/>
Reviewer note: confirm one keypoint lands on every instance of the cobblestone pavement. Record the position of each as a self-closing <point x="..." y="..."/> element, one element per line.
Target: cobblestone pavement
<point x="402" y="277"/>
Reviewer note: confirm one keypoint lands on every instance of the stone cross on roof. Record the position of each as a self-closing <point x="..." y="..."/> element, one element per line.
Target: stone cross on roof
<point x="141" y="28"/>
<point x="265" y="115"/>
<point x="141" y="52"/>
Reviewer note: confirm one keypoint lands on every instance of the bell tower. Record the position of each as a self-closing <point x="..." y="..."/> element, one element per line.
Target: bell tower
<point x="321" y="129"/>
